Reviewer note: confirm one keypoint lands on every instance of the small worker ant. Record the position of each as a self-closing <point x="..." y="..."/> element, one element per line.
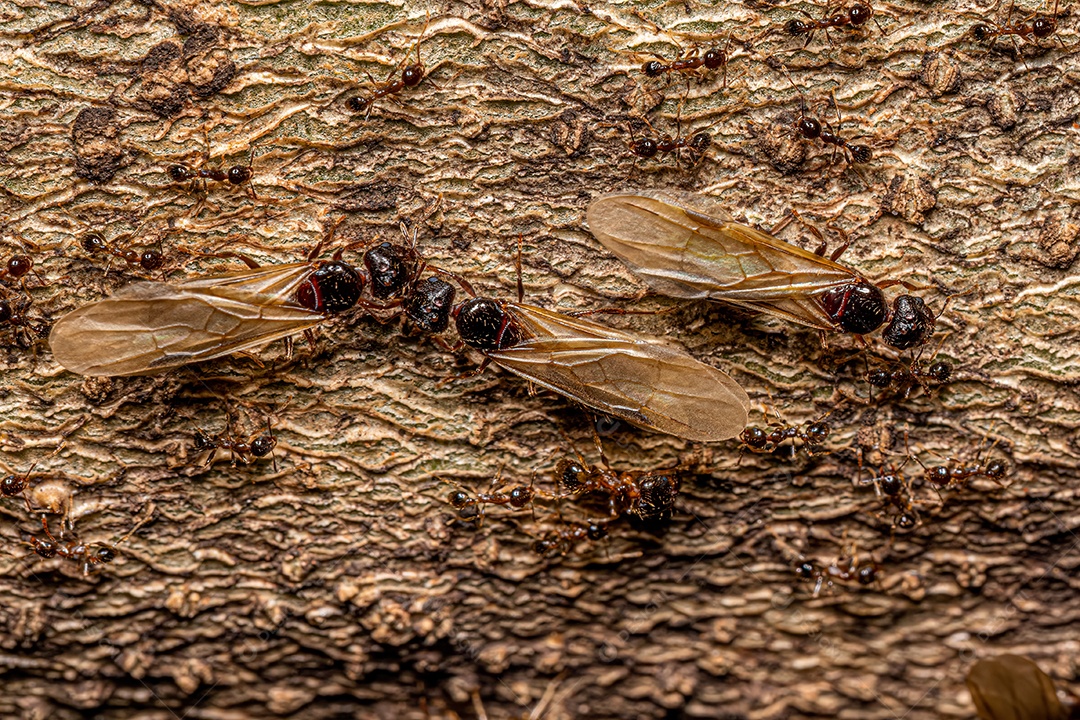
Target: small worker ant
<point x="234" y="175"/>
<point x="411" y="76"/>
<point x="17" y="267"/>
<point x="827" y="576"/>
<point x="854" y="16"/>
<point x="690" y="63"/>
<point x="472" y="509"/>
<point x="647" y="496"/>
<point x="26" y="330"/>
<point x="148" y="259"/>
<point x="649" y="146"/>
<point x="811" y="434"/>
<point x="1032" y="29"/>
<point x="89" y="554"/>
<point x="562" y="539"/>
<point x="13" y="485"/>
<point x="247" y="451"/>
<point x="959" y="475"/>
<point x="894" y="490"/>
<point x="910" y="376"/>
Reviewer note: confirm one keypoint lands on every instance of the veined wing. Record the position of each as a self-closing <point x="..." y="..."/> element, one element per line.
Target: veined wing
<point x="628" y="376"/>
<point x="684" y="246"/>
<point x="150" y="327"/>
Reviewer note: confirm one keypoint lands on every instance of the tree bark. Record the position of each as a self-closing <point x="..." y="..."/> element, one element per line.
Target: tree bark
<point x="339" y="582"/>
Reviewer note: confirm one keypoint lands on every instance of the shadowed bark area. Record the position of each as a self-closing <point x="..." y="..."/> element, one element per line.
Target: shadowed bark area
<point x="335" y="580"/>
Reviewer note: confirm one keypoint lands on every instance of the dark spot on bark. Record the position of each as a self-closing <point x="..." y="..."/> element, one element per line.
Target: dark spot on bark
<point x="97" y="389"/>
<point x="160" y="57"/>
<point x="1004" y="106"/>
<point x="781" y="147"/>
<point x="200" y="38"/>
<point x="164" y="90"/>
<point x="370" y="197"/>
<point x="98" y="155"/>
<point x="910" y="197"/>
<point x="1060" y="243"/>
<point x="210" y="72"/>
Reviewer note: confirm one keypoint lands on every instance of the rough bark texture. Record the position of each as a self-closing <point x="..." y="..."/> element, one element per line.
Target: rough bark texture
<point x="340" y="584"/>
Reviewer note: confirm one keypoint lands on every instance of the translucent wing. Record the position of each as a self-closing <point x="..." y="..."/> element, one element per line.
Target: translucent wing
<point x="631" y="377"/>
<point x="1012" y="687"/>
<point x="150" y="327"/>
<point x="684" y="246"/>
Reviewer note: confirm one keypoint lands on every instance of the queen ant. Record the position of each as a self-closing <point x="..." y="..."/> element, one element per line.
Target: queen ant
<point x="88" y="554"/>
<point x="247" y="451"/>
<point x="647" y="496"/>
<point x="854" y="16"/>
<point x="411" y="76"/>
<point x="472" y="508"/>
<point x="1032" y="29"/>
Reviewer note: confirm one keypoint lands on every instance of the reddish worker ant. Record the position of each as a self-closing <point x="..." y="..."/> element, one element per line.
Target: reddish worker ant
<point x="148" y="259"/>
<point x="648" y="496"/>
<point x="854" y="16"/>
<point x="17" y="267"/>
<point x="471" y="509"/>
<point x="1032" y="29"/>
<point x="89" y="554"/>
<point x="562" y="539"/>
<point x="411" y="76"/>
<point x="26" y="330"/>
<point x="811" y="434"/>
<point x="894" y="490"/>
<point x="650" y="146"/>
<point x="247" y="451"/>
<point x="13" y="485"/>
<point x="235" y="175"/>
<point x="827" y="576"/>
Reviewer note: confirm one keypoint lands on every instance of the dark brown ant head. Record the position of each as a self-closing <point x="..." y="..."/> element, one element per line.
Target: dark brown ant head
<point x="809" y="127"/>
<point x="93" y="243"/>
<point x="805" y="570"/>
<point x="483" y="324"/>
<point x="859" y="14"/>
<point x="545" y="547"/>
<point x="981" y="32"/>
<point x="644" y="147"/>
<point x="940" y="371"/>
<point x="911" y="325"/>
<point x="179" y="173"/>
<point x="334" y="287"/>
<point x="12" y="485"/>
<point x="996" y="469"/>
<point x="238" y="174"/>
<point x="103" y="554"/>
<point x="428" y="307"/>
<point x="571" y="475"/>
<point x="657" y="496"/>
<point x="754" y="437"/>
<point x="358" y="104"/>
<point x="459" y="499"/>
<point x="45" y="548"/>
<point x="860" y="153"/>
<point x="596" y="531"/>
<point x="6" y="311"/>
<point x="19" y="265"/>
<point x="938" y="475"/>
<point x="700" y="142"/>
<point x="412" y="75"/>
<point x="389" y="270"/>
<point x="906" y="521"/>
<point x="520" y="497"/>
<point x="890" y="485"/>
<point x="1043" y="27"/>
<point x="858" y="307"/>
<point x="817" y="432"/>
<point x="714" y="59"/>
<point x="867" y="575"/>
<point x="263" y="445"/>
<point x="653" y="68"/>
<point x="879" y="378"/>
<point x="151" y="260"/>
<point x="796" y="27"/>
